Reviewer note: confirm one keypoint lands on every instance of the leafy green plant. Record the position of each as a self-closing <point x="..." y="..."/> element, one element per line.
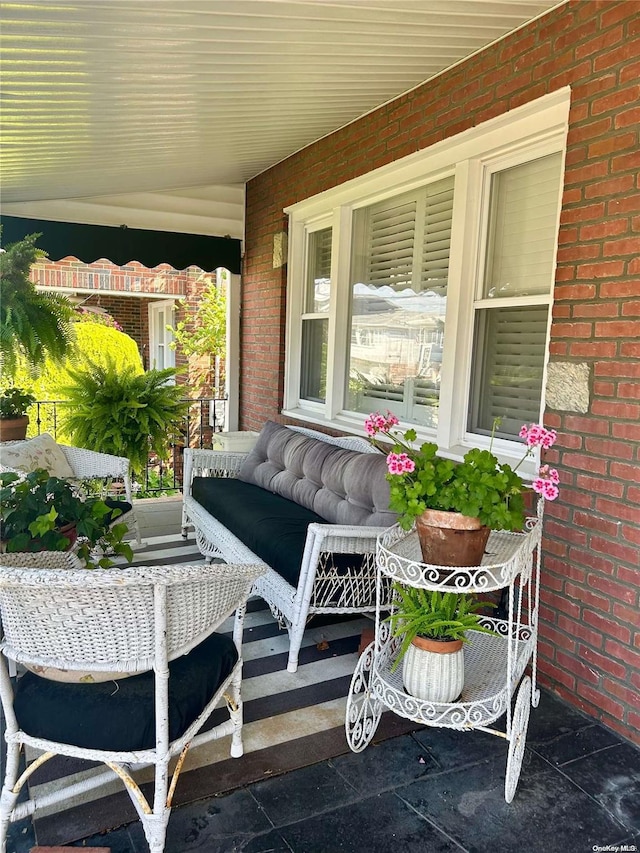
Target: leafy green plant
<point x="36" y="509"/>
<point x="32" y="324"/>
<point x="480" y="486"/>
<point x="120" y="411"/>
<point x="84" y="315"/>
<point x="434" y="614"/>
<point x="204" y="333"/>
<point x="157" y="485"/>
<point x="14" y="402"/>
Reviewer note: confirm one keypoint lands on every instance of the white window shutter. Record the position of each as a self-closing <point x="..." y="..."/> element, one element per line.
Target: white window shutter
<point x="512" y="345"/>
<point x="322" y="248"/>
<point x="523" y="225"/>
<point x="437" y="236"/>
<point x="390" y="244"/>
<point x="406" y="247"/>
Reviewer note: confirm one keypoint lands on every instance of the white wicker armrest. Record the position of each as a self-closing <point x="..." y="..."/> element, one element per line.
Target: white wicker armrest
<point x="201" y="462"/>
<point x="345" y="538"/>
<point x="90" y="464"/>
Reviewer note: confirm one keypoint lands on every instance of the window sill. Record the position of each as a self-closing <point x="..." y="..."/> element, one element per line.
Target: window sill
<point x="354" y="426"/>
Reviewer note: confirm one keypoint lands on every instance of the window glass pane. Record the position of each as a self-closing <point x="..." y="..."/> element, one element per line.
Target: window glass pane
<point x="507" y="382"/>
<point x="522" y="229"/>
<point x="313" y="374"/>
<point x="318" y="272"/>
<point x="399" y="271"/>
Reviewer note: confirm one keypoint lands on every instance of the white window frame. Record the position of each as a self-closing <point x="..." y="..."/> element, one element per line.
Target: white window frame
<point x="523" y="134"/>
<point x="170" y="355"/>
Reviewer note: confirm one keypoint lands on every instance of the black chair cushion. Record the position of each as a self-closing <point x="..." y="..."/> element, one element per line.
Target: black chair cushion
<point x="113" y="503"/>
<point x="120" y="715"/>
<point x="273" y="527"/>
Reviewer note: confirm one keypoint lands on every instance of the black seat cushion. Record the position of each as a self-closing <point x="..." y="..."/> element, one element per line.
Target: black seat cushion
<point x="113" y="504"/>
<point x="273" y="527"/>
<point x="120" y="715"/>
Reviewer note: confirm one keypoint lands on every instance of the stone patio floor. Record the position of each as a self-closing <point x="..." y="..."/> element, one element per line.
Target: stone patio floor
<point x="432" y="791"/>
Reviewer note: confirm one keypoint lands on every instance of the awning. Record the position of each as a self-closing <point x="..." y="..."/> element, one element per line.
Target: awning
<point x="120" y="245"/>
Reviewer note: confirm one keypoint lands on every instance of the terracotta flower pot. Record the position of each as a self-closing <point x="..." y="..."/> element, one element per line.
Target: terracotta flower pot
<point x="68" y="530"/>
<point x="450" y="538"/>
<point x="433" y="670"/>
<point x="71" y="532"/>
<point x="13" y="429"/>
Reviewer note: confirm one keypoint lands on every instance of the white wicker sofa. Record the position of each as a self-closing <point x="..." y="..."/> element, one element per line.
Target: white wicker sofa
<point x="307" y="506"/>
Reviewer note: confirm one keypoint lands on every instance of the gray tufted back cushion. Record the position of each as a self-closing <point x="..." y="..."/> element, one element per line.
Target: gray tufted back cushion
<point x="342" y="486"/>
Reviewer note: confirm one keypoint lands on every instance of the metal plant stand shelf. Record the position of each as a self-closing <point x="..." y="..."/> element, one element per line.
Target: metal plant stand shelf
<point x="494" y="665"/>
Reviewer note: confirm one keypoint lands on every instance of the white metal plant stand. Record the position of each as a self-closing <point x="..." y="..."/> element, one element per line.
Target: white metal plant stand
<point x="494" y="665"/>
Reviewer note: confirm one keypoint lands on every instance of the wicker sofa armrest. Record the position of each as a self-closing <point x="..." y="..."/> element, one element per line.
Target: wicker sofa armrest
<point x="342" y="538"/>
<point x="320" y="582"/>
<point x="209" y="463"/>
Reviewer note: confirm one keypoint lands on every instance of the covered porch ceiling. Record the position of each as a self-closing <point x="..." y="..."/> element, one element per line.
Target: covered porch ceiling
<point x="111" y="108"/>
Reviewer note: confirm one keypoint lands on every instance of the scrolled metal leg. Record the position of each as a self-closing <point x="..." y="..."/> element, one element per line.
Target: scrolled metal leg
<point x="363" y="709"/>
<point x="518" y="738"/>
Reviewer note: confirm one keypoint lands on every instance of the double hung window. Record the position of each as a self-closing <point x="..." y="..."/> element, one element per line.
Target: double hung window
<point x="511" y="311"/>
<point x="398" y="289"/>
<point x="425" y="288"/>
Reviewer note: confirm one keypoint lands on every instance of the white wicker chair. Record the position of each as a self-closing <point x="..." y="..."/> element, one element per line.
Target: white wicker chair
<point x="91" y="465"/>
<point x="135" y="620"/>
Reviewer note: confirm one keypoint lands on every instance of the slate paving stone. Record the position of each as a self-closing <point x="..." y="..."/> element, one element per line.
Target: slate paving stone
<point x="553" y="718"/>
<point x="548" y="813"/>
<point x="450" y="748"/>
<point x="612" y="777"/>
<point x="272" y="842"/>
<point x="572" y="745"/>
<point x="377" y="824"/>
<point x="308" y="792"/>
<point x="218" y="825"/>
<point x="385" y="765"/>
<point x="126" y="839"/>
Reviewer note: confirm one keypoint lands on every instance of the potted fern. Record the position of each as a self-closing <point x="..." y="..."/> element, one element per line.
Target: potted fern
<point x="33" y="325"/>
<point x="124" y="411"/>
<point x="433" y="626"/>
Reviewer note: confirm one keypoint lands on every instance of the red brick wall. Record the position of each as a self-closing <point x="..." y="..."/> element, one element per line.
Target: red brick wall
<point x="590" y="608"/>
<point x="104" y="276"/>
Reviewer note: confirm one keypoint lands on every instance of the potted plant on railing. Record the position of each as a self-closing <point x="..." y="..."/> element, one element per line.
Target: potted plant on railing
<point x="14" y="403"/>
<point x="433" y="626"/>
<point x="455" y="505"/>
<point x="40" y="513"/>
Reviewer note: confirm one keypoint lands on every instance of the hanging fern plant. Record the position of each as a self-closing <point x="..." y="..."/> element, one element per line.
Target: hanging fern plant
<point x="121" y="411"/>
<point x="33" y="324"/>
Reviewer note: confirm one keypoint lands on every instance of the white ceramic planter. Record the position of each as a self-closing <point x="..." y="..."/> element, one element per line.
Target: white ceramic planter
<point x="434" y="676"/>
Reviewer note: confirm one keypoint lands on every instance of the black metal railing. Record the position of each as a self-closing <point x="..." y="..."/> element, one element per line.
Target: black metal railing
<point x="205" y="417"/>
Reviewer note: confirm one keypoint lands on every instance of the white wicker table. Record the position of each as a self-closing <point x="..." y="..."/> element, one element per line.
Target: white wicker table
<point x="494" y="665"/>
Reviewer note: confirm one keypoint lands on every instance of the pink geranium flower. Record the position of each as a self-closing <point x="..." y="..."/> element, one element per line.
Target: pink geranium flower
<point x="480" y="486"/>
<point x="400" y="463"/>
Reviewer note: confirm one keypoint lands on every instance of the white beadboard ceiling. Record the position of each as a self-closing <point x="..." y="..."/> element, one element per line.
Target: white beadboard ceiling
<point x="136" y="100"/>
